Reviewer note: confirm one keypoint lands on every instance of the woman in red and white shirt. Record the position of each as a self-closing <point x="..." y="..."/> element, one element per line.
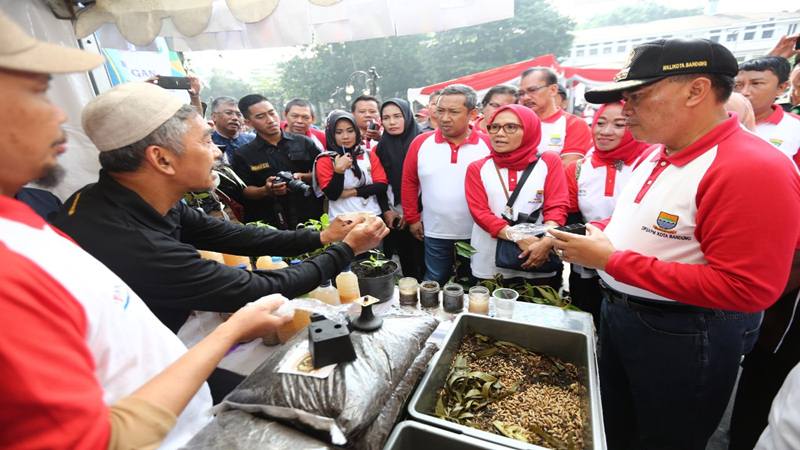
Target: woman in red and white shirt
<point x="515" y="132"/>
<point x="348" y="174"/>
<point x="594" y="184"/>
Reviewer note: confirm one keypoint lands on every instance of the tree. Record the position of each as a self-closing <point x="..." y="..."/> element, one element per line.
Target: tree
<point x="321" y="73"/>
<point x="639" y="13"/>
<point x="225" y="83"/>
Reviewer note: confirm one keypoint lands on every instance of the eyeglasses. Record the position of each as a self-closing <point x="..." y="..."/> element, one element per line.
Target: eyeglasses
<point x="532" y="90"/>
<point x="508" y="128"/>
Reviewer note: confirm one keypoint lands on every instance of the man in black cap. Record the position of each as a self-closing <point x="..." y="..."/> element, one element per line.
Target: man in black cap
<point x="700" y="243"/>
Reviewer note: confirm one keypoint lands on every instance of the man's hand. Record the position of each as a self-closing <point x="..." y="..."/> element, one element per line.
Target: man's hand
<point x="375" y="134"/>
<point x="195" y="86"/>
<point x="338" y="229"/>
<point x="417" y="230"/>
<point x="592" y="250"/>
<point x="273" y="188"/>
<point x="785" y="47"/>
<point x="342" y="162"/>
<point x="366" y="235"/>
<point x="256" y="319"/>
<point x="390" y="217"/>
<point x="534" y="250"/>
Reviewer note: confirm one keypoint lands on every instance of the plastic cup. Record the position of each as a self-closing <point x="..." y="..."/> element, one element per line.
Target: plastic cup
<point x="479" y="300"/>
<point x="408" y="288"/>
<point x="504" y="301"/>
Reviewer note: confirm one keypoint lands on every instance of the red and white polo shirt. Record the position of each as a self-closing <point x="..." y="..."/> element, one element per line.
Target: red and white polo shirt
<point x="782" y="130"/>
<point x="713" y="225"/>
<point x="565" y="134"/>
<point x="67" y="322"/>
<point x="545" y="188"/>
<point x="434" y="170"/>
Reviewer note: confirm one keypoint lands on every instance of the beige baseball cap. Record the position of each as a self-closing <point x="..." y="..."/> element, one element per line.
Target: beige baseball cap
<point x="19" y="51"/>
<point x="127" y="113"/>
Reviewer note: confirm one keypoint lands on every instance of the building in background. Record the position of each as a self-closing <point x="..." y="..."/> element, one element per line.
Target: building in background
<point x="747" y="35"/>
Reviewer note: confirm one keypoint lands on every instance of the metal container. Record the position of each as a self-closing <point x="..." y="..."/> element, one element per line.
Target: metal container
<point x="571" y="346"/>
<point x="410" y="435"/>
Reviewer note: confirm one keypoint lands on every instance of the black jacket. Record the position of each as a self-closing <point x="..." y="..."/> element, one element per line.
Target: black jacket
<point x="157" y="255"/>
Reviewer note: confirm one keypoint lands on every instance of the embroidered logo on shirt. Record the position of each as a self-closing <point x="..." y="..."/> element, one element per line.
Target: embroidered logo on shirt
<point x="555" y="139"/>
<point x="539" y="197"/>
<point x="258" y="167"/>
<point x="776" y="142"/>
<point x="666" y="222"/>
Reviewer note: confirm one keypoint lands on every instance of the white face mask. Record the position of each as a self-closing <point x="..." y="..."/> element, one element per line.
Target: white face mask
<point x="215" y="175"/>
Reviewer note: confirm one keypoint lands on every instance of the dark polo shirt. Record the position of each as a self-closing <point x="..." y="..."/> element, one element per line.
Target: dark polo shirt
<point x="157" y="255"/>
<point x="259" y="160"/>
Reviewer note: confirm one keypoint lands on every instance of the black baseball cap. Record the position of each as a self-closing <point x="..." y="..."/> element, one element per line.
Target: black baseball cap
<point x="656" y="60"/>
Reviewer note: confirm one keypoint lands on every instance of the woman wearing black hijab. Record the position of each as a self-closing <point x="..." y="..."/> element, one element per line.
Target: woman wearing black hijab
<point x="399" y="130"/>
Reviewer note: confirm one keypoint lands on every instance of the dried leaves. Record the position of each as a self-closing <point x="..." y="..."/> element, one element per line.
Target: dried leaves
<point x="501" y="387"/>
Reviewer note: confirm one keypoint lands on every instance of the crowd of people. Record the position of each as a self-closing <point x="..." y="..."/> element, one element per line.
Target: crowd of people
<point x="690" y="198"/>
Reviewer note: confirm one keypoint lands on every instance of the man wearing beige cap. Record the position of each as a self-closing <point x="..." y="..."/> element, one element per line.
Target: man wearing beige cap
<point x="84" y="362"/>
<point x="701" y="242"/>
<point x="153" y="149"/>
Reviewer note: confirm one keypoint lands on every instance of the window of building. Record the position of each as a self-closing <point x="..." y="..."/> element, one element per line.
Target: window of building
<point x="579" y="53"/>
<point x="748" y="36"/>
<point x="592" y="51"/>
<point x="792" y="29"/>
<point x="714" y="38"/>
<point x="751" y="27"/>
<point x="731" y="37"/>
<point x="767" y="34"/>
<point x="621" y="49"/>
<point x="607" y="50"/>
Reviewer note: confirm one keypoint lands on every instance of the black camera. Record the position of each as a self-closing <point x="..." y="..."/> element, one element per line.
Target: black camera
<point x="293" y="184"/>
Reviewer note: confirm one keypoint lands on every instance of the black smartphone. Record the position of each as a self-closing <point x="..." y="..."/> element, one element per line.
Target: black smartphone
<point x="575" y="228"/>
<point x="180" y="83"/>
<point x="797" y="43"/>
<point x="372" y="125"/>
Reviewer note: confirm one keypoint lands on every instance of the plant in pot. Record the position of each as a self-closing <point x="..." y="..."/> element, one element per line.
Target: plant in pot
<point x="376" y="276"/>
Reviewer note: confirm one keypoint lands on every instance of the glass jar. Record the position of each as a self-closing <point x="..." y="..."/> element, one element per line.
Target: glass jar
<point x="429" y="294"/>
<point x="453" y="298"/>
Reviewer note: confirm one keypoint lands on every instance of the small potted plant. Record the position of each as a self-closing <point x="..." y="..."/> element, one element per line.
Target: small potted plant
<point x="376" y="276"/>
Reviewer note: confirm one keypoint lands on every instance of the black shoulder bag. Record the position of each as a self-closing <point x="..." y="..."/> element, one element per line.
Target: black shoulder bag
<point x="506" y="255"/>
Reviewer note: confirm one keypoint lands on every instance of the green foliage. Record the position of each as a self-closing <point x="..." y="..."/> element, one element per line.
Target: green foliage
<point x="412" y="61"/>
<point x="225" y="83"/>
<point x="638" y="13"/>
<point x="543" y="295"/>
<point x="376" y="260"/>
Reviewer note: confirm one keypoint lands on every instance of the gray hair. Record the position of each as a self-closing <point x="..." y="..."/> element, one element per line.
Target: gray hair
<point x="301" y="103"/>
<point x="224" y="100"/>
<point x="550" y="76"/>
<point x="470" y="96"/>
<point x="168" y="135"/>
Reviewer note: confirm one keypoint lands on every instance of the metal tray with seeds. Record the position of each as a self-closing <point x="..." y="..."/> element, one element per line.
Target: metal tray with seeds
<point x="514" y="384"/>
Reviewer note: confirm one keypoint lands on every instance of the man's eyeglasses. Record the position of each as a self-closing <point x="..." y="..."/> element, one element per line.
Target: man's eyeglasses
<point x="508" y="128"/>
<point x="532" y="90"/>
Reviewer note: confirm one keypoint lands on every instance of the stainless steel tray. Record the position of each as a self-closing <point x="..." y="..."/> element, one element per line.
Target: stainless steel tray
<point x="571" y="346"/>
<point x="410" y="435"/>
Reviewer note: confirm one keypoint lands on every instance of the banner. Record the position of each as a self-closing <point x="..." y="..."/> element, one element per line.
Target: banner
<point x="124" y="66"/>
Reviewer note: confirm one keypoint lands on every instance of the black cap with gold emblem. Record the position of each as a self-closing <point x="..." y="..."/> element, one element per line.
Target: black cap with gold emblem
<point x="653" y="61"/>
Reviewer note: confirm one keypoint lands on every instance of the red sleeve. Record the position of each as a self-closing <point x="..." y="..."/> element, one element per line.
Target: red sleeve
<point x="51" y="398"/>
<point x="572" y="185"/>
<point x="748" y="232"/>
<point x="602" y="224"/>
<point x="324" y="171"/>
<point x="409" y="187"/>
<point x="556" y="193"/>
<point x="478" y="201"/>
<point x="378" y="173"/>
<point x="320" y="135"/>
<point x="578" y="139"/>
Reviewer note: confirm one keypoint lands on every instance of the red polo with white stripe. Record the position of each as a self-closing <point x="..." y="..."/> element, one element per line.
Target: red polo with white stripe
<point x="782" y="130"/>
<point x="713" y="225"/>
<point x="435" y="170"/>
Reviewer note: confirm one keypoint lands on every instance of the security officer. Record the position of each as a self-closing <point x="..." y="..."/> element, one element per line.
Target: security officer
<point x="268" y="197"/>
<point x="700" y="243"/>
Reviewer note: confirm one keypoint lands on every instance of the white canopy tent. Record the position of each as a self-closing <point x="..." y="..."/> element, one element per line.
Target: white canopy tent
<point x="221" y="25"/>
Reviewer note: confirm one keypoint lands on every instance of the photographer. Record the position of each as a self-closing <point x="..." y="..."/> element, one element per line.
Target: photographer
<point x="276" y="167"/>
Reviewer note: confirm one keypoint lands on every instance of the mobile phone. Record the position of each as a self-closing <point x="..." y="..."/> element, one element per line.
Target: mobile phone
<point x="797" y="43"/>
<point x="372" y="125"/>
<point x="575" y="228"/>
<point x="181" y="83"/>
